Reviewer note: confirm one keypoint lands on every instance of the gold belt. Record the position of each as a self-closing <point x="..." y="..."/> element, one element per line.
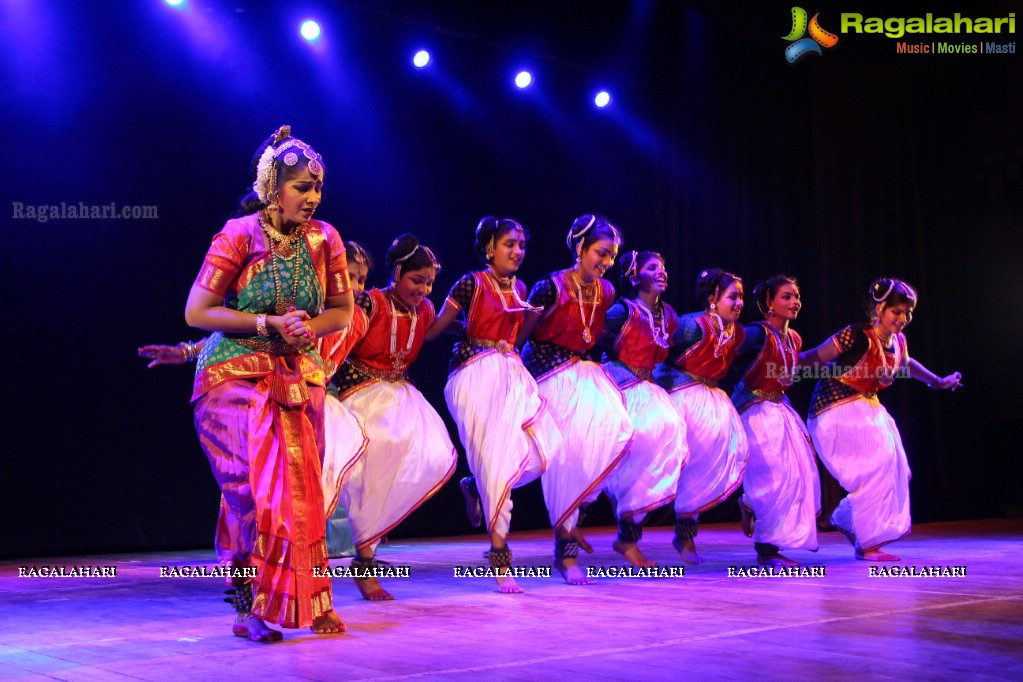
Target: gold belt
<point x="275" y="346"/>
<point x="393" y="376"/>
<point x="502" y="345"/>
<point x="709" y="383"/>
<point x="640" y="372"/>
<point x="773" y="396"/>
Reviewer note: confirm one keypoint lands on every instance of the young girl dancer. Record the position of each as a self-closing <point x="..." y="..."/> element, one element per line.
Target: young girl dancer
<point x="585" y="404"/>
<point x="410" y="455"/>
<point x="502" y="418"/>
<point x="781" y="489"/>
<point x="853" y="433"/>
<point x="702" y="351"/>
<point x="639" y="332"/>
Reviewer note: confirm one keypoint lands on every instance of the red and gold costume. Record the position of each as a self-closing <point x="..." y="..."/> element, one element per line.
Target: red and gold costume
<point x="780" y="485"/>
<point x="259" y="416"/>
<point x="584" y="402"/>
<point x="858" y="440"/>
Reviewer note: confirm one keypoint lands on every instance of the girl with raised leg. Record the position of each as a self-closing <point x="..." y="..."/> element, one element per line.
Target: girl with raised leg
<point x="502" y="418"/>
<point x="702" y="351"/>
<point x="853" y="433"/>
<point x="583" y="400"/>
<point x="781" y="492"/>
<point x="638" y="332"/>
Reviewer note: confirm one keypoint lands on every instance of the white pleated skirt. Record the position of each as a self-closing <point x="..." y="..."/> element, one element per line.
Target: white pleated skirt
<point x="408" y="458"/>
<point x="860" y="445"/>
<point x="596" y="432"/>
<point x="346" y="443"/>
<point x="718" y="448"/>
<point x="647" y="477"/>
<point x="780" y="484"/>
<point x="504" y="426"/>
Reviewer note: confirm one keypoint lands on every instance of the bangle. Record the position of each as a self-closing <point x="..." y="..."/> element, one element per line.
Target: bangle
<point x="189" y="352"/>
<point x="261" y="325"/>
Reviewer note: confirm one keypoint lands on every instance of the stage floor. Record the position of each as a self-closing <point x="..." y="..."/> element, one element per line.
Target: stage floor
<point x="705" y="625"/>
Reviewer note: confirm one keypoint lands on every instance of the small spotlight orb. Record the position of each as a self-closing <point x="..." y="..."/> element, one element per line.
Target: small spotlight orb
<point x="523" y="79"/>
<point x="421" y="59"/>
<point x="310" y="30"/>
<point x="175" y="3"/>
<point x="602" y="99"/>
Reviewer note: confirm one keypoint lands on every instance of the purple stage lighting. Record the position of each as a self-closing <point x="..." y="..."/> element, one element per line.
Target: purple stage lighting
<point x="602" y="99"/>
<point x="523" y="79"/>
<point x="310" y="30"/>
<point x="421" y="59"/>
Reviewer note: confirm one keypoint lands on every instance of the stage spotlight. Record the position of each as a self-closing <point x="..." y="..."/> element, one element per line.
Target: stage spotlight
<point x="310" y="30"/>
<point x="175" y="3"/>
<point x="602" y="99"/>
<point x="523" y="79"/>
<point x="421" y="59"/>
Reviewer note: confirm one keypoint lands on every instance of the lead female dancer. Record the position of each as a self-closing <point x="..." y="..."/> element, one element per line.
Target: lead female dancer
<point x="782" y="494"/>
<point x="502" y="418"/>
<point x="854" y="435"/>
<point x="409" y="456"/>
<point x="273" y="280"/>
<point x="584" y="402"/>
<point x="638" y="331"/>
<point x="702" y="351"/>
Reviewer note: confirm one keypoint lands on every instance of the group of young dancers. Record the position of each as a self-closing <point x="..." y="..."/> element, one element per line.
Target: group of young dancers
<point x="302" y="398"/>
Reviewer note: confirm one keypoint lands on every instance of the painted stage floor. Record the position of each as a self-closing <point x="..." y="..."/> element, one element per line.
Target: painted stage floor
<point x="705" y="625"/>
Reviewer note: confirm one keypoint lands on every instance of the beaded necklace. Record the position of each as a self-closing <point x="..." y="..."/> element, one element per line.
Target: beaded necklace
<point x="723" y="337"/>
<point x="497" y="282"/>
<point x="282" y="247"/>
<point x="659" y="333"/>
<point x="888" y="376"/>
<point x="398" y="357"/>
<point x="587" y="334"/>
<point x="785" y="344"/>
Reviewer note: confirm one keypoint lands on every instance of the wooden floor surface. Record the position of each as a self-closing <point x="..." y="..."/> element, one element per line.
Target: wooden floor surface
<point x="706" y="625"/>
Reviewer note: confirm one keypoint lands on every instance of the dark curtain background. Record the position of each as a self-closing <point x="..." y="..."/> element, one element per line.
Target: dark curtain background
<point x="849" y="165"/>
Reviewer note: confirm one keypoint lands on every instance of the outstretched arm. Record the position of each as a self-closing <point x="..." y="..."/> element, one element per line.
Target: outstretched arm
<point x="921" y="373"/>
<point x="171" y="355"/>
<point x="822" y="354"/>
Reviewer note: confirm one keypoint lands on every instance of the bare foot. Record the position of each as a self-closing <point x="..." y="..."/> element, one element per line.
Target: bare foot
<point x="687" y="550"/>
<point x="507" y="584"/>
<point x="875" y="555"/>
<point x="631" y="551"/>
<point x="328" y="624"/>
<point x="747" y="519"/>
<point x="254" y="629"/>
<point x="572" y="572"/>
<point x="775" y="560"/>
<point x="577" y="535"/>
<point x="371" y="590"/>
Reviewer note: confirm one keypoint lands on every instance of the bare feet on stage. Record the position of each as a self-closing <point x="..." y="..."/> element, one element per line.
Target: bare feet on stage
<point x="776" y="559"/>
<point x="370" y="589"/>
<point x="566" y="549"/>
<point x="875" y="554"/>
<point x="687" y="550"/>
<point x="500" y="559"/>
<point x="369" y="586"/>
<point x="747" y="519"/>
<point x="254" y="629"/>
<point x="577" y="535"/>
<point x="328" y="624"/>
<point x="507" y="584"/>
<point x="631" y="551"/>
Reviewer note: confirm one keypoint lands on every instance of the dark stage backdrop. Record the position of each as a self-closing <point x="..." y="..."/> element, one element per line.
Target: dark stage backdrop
<point x="852" y="164"/>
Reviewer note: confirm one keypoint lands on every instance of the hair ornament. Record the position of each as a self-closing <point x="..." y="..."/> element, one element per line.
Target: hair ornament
<point x="573" y="236"/>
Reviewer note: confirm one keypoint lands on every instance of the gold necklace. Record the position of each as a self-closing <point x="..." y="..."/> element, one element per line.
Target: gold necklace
<point x="285" y="251"/>
<point x="595" y="299"/>
<point x="284" y="243"/>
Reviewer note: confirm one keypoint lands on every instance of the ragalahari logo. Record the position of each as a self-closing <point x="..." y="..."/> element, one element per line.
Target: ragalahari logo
<point x="801" y="46"/>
